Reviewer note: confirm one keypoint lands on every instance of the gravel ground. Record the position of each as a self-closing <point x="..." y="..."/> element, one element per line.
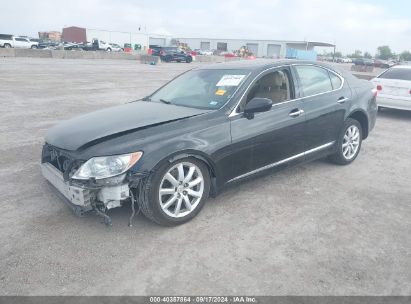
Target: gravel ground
<point x="315" y="229"/>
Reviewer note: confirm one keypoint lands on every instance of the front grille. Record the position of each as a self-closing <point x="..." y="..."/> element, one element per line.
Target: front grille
<point x="60" y="159"/>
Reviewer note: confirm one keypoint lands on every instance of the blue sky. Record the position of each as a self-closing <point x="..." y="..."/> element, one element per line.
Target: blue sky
<point x="351" y="24"/>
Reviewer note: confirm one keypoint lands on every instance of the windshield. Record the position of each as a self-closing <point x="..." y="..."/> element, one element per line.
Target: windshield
<point x="397" y="73"/>
<point x="203" y="89"/>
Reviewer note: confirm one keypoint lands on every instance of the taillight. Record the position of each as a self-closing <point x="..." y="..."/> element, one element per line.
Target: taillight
<point x="162" y="53"/>
<point x="379" y="87"/>
<point x="410" y="91"/>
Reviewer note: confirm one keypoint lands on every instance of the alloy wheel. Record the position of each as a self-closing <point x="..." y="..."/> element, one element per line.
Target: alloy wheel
<point x="351" y="142"/>
<point x="181" y="189"/>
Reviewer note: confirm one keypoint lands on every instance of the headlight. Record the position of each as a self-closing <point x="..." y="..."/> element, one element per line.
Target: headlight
<point x="107" y="166"/>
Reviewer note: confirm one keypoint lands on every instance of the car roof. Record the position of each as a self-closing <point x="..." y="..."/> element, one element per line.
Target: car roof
<point x="260" y="64"/>
<point x="401" y="67"/>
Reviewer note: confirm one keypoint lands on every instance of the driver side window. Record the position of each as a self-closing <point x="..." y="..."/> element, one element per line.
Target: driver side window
<point x="275" y="86"/>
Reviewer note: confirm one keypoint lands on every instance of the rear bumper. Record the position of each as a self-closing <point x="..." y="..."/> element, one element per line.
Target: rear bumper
<point x="395" y="103"/>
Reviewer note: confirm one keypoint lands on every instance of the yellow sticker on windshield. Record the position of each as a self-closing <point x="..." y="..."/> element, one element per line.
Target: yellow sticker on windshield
<point x="220" y="92"/>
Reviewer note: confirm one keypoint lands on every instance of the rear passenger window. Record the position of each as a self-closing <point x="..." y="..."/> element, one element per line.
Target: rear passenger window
<point x="336" y="81"/>
<point x="397" y="73"/>
<point x="313" y="80"/>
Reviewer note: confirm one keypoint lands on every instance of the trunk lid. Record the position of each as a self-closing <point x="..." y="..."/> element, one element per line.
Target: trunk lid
<point x="394" y="87"/>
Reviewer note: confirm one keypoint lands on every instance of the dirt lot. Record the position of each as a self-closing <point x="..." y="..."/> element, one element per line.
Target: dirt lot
<point x="316" y="229"/>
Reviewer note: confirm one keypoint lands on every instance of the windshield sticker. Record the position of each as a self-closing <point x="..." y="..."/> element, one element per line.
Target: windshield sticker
<point x="230" y="80"/>
<point x="213" y="103"/>
<point x="220" y="92"/>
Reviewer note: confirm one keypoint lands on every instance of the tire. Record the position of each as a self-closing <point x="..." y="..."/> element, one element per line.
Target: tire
<point x="108" y="50"/>
<point x="154" y="204"/>
<point x="168" y="58"/>
<point x="178" y="60"/>
<point x="343" y="156"/>
<point x="33" y="47"/>
<point x="189" y="59"/>
<point x="7" y="46"/>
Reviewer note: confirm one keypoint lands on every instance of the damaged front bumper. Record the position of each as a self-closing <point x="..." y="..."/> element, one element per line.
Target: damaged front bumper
<point x="82" y="199"/>
<point x="78" y="199"/>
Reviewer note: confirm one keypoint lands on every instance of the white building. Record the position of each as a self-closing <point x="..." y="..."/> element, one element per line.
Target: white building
<point x="142" y="39"/>
<point x="260" y="48"/>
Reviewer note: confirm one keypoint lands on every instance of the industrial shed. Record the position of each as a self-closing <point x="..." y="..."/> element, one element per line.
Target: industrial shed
<point x="260" y="48"/>
<point x="82" y="35"/>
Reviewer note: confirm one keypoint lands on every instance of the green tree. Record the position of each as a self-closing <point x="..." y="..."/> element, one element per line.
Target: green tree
<point x="384" y="52"/>
<point x="356" y="54"/>
<point x="367" y="55"/>
<point x="406" y="56"/>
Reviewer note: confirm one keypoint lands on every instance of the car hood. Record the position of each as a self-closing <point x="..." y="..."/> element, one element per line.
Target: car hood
<point x="89" y="129"/>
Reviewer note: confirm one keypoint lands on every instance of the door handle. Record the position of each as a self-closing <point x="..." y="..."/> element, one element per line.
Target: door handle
<point x="342" y="99"/>
<point x="296" y="112"/>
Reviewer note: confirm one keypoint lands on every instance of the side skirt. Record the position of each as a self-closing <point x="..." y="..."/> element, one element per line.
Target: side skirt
<point x="311" y="154"/>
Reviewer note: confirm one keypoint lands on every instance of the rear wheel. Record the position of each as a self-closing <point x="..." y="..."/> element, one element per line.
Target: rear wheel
<point x="7" y="46"/>
<point x="33" y="47"/>
<point x="349" y="143"/>
<point x="189" y="59"/>
<point x="176" y="192"/>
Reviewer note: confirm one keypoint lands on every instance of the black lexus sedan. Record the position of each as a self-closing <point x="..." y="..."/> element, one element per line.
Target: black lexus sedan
<point x="206" y="129"/>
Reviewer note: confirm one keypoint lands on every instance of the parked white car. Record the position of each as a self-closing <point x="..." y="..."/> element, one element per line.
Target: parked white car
<point x="394" y="88"/>
<point x="97" y="45"/>
<point x="343" y="60"/>
<point x="105" y="46"/>
<point x="205" y="52"/>
<point x="116" y="48"/>
<point x="208" y="52"/>
<point x="10" y="41"/>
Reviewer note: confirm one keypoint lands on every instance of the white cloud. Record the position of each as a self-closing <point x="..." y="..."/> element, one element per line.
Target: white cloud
<point x="351" y="24"/>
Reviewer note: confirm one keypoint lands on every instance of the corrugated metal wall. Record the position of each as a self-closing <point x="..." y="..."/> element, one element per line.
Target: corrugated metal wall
<point x="119" y="37"/>
<point x="74" y="34"/>
<point x="259" y="47"/>
<point x="79" y="34"/>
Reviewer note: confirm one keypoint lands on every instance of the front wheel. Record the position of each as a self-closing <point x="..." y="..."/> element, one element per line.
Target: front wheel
<point x="176" y="192"/>
<point x="189" y="59"/>
<point x="349" y="143"/>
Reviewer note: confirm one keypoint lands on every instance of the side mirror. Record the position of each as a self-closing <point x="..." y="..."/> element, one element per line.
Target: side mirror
<point x="256" y="105"/>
